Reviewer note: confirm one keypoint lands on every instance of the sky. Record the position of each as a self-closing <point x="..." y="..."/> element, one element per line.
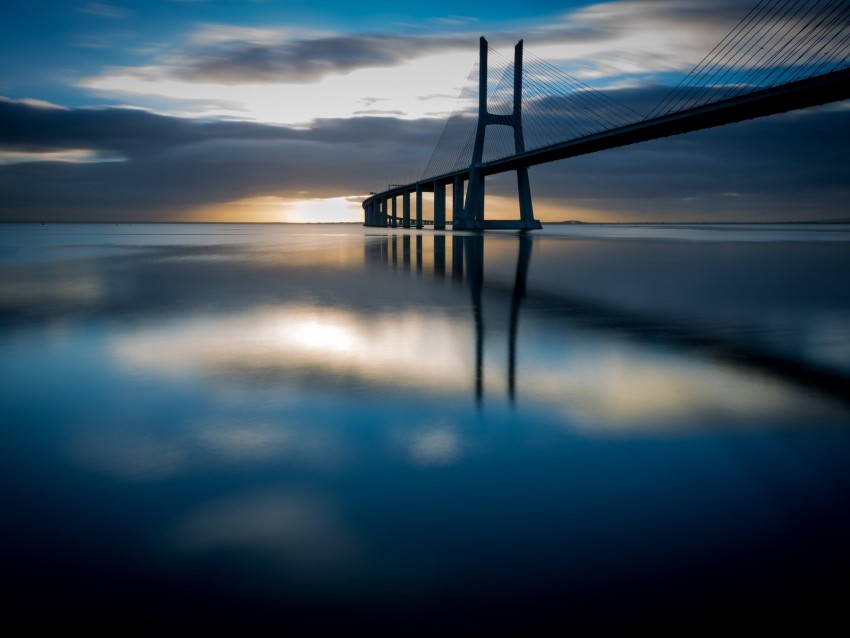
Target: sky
<point x="291" y="111"/>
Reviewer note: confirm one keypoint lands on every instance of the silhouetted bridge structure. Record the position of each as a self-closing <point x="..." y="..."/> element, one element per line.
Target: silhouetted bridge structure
<point x="782" y="56"/>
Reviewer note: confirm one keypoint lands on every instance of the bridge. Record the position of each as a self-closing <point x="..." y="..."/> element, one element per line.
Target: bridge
<point x="782" y="56"/>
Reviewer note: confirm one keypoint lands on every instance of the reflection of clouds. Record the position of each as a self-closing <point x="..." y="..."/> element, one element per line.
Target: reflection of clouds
<point x="623" y="387"/>
<point x="825" y="339"/>
<point x="589" y="377"/>
<point x="240" y="442"/>
<point x="300" y="533"/>
<point x="401" y="348"/>
<point x="433" y="445"/>
<point x="245" y="442"/>
<point x="54" y="286"/>
<point x="131" y="452"/>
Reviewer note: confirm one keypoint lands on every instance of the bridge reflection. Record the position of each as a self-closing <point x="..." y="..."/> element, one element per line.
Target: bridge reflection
<point x="463" y="264"/>
<point x="425" y="256"/>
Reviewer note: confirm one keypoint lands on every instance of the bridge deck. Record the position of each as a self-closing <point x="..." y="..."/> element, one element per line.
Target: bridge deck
<point x="822" y="89"/>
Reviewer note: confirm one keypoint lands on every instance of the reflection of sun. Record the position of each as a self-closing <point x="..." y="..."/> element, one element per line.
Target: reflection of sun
<point x="316" y="335"/>
<point x="402" y="349"/>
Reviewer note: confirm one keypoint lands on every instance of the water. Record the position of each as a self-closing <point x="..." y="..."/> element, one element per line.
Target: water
<point x="329" y="426"/>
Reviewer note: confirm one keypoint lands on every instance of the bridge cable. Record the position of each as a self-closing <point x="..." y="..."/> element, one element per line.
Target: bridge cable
<point x="774" y="43"/>
<point x="729" y="61"/>
<point x="801" y="47"/>
<point x="703" y="80"/>
<point x="720" y="46"/>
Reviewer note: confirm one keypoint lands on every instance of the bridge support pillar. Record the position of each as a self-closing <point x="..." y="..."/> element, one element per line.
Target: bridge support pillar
<point x="474" y="210"/>
<point x="383" y="219"/>
<point x="395" y="212"/>
<point x="526" y="212"/>
<point x="405" y="209"/>
<point x="457" y="201"/>
<point x="473" y="214"/>
<point x="439" y="206"/>
<point x="419" y="205"/>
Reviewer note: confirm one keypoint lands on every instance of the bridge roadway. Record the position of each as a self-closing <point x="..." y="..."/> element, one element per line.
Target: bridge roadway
<point x="822" y="89"/>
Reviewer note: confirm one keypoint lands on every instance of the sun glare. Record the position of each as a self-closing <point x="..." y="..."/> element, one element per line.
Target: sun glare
<point x="275" y="209"/>
<point x="332" y="209"/>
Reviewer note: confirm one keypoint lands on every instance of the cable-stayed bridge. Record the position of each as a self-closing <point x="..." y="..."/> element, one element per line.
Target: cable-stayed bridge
<point x="781" y="56"/>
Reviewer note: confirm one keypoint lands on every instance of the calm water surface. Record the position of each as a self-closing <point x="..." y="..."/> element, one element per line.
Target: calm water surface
<point x="330" y="426"/>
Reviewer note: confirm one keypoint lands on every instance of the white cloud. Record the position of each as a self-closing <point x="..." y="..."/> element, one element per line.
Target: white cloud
<point x="39" y="104"/>
<point x="605" y="40"/>
<point x="71" y="156"/>
<point x="399" y="90"/>
<point x="634" y="38"/>
<point x="104" y="10"/>
<point x="213" y="33"/>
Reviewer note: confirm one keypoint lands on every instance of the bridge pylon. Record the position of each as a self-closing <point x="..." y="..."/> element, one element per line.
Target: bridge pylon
<point x="472" y="216"/>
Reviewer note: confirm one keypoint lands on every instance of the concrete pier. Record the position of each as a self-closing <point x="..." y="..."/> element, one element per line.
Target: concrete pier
<point x="439" y="206"/>
<point x="405" y="209"/>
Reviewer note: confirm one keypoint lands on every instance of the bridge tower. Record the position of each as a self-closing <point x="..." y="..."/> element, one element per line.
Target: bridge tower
<point x="473" y="210"/>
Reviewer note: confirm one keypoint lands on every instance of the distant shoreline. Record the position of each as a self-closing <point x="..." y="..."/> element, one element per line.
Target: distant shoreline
<point x="844" y="220"/>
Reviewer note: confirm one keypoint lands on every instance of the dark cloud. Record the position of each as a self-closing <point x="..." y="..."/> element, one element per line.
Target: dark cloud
<point x="309" y="59"/>
<point x="134" y="132"/>
<point x="790" y="166"/>
<point x="175" y="164"/>
<point x="304" y="60"/>
<point x="24" y="127"/>
<point x="167" y="185"/>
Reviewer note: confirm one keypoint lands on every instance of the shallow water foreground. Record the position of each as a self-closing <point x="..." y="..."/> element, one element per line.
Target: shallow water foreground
<point x="315" y="427"/>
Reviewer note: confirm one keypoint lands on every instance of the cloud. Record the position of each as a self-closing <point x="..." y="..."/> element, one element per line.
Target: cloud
<point x="291" y="102"/>
<point x="28" y="126"/>
<point x="272" y="73"/>
<point x="104" y="10"/>
<point x="174" y="166"/>
<point x="623" y="36"/>
<point x="308" y="59"/>
<point x="222" y="54"/>
<point x="783" y="167"/>
<point x="73" y="156"/>
<point x="633" y="42"/>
